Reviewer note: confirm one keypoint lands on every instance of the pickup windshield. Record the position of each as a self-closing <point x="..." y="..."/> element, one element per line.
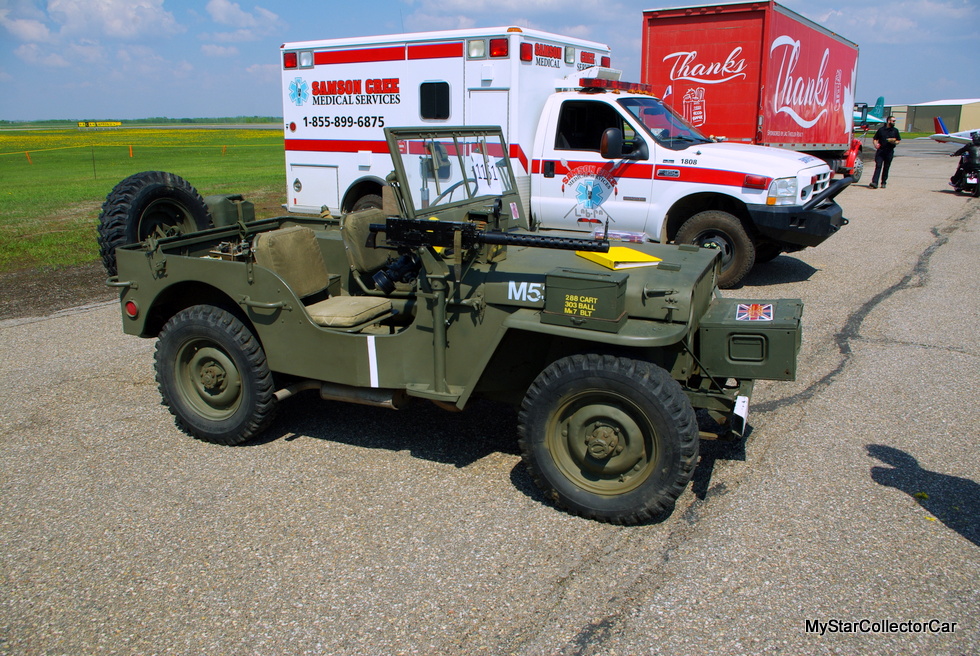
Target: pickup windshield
<point x="662" y="123"/>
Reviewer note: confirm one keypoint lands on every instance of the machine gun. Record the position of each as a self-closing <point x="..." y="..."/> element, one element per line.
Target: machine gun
<point x="407" y="235"/>
<point x="416" y="233"/>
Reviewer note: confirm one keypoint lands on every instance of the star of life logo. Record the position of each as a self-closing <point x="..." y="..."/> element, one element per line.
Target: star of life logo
<point x="299" y="91"/>
<point x="590" y="194"/>
<point x="592" y="186"/>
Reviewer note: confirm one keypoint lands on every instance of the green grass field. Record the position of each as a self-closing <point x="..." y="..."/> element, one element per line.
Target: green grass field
<point x="53" y="182"/>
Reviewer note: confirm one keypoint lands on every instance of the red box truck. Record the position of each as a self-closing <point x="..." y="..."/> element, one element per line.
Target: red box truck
<point x="756" y="72"/>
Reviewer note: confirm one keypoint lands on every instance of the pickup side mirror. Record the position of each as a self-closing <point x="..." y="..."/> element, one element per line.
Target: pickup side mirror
<point x="611" y="146"/>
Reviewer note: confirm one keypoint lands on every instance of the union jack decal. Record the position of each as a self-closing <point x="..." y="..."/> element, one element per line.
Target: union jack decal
<point x="753" y="312"/>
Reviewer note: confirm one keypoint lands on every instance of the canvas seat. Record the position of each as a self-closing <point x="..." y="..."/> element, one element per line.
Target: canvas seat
<point x="355" y="231"/>
<point x="294" y="255"/>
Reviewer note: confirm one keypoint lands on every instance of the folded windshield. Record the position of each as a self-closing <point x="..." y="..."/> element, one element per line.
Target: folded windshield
<point x="447" y="169"/>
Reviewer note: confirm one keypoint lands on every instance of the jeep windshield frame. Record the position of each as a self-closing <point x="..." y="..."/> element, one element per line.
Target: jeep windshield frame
<point x="442" y="169"/>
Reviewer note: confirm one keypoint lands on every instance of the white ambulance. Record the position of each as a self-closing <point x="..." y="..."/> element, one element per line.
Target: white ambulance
<point x="591" y="153"/>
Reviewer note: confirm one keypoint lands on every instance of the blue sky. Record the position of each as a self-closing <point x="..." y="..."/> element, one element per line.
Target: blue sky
<point x="112" y="59"/>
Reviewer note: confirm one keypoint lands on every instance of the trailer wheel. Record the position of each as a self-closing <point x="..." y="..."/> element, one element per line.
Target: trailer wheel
<point x="213" y="376"/>
<point x="145" y="204"/>
<point x="723" y="231"/>
<point x="609" y="438"/>
<point x="858" y="169"/>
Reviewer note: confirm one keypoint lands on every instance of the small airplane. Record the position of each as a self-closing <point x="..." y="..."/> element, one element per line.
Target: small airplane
<point x="864" y="118"/>
<point x="943" y="135"/>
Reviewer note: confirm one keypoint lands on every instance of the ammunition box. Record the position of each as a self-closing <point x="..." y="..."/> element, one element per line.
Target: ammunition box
<point x="585" y="299"/>
<point x="751" y="339"/>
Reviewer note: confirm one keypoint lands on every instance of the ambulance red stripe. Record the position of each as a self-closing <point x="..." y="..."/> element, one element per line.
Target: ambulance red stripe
<point x="360" y="55"/>
<point x="352" y="146"/>
<point x="436" y="50"/>
<point x="335" y="146"/>
<point x="393" y="53"/>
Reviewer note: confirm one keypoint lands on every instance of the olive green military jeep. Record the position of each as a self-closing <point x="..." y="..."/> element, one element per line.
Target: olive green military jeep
<point x="443" y="296"/>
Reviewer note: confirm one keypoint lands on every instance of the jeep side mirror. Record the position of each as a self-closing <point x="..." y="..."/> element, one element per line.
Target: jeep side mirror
<point x="611" y="146"/>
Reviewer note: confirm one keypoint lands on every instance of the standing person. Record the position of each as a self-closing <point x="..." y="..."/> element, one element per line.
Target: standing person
<point x="885" y="140"/>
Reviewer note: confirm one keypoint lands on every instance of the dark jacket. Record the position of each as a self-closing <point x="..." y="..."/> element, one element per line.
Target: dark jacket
<point x="885" y="133"/>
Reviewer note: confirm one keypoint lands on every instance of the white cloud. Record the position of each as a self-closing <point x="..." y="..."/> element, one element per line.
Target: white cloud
<point x="231" y="37"/>
<point x="264" y="72"/>
<point x="35" y="54"/>
<point x="902" y="22"/>
<point x="86" y="51"/>
<point x="250" y="26"/>
<point x="219" y="51"/>
<point x="422" y="22"/>
<point x="24" y="29"/>
<point x="126" y="19"/>
<point x="230" y="13"/>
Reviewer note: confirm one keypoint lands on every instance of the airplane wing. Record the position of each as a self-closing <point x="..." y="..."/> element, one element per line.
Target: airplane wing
<point x="956" y="137"/>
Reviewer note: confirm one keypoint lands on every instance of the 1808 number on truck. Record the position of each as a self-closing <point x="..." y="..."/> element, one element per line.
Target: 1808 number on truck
<point x="343" y="121"/>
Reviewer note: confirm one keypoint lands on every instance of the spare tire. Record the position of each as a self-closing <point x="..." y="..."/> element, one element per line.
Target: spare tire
<point x="145" y="204"/>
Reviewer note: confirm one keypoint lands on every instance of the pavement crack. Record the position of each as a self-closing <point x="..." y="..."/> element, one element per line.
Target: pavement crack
<point x="931" y="347"/>
<point x="851" y="331"/>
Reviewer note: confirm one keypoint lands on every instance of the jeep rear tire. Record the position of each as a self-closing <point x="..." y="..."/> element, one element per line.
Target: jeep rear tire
<point x="609" y="438"/>
<point x="213" y="376"/>
<point x="145" y="204"/>
<point x="723" y="231"/>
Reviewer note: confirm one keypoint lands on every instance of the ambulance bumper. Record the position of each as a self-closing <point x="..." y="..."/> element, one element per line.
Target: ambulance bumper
<point x="803" y="225"/>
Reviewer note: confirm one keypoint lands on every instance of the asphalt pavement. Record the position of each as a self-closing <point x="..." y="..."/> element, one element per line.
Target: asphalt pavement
<point x="846" y="522"/>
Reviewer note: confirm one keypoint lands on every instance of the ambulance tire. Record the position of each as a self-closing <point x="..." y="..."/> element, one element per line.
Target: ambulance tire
<point x="369" y="201"/>
<point x="767" y="251"/>
<point x="147" y="204"/>
<point x="723" y="231"/>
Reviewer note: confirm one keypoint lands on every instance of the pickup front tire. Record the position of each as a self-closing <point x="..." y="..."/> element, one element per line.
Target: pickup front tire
<point x="723" y="231"/>
<point x="609" y="438"/>
<point x="213" y="376"/>
<point x="145" y="204"/>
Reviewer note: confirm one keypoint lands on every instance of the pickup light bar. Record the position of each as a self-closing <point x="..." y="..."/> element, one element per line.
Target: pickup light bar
<point x="616" y="85"/>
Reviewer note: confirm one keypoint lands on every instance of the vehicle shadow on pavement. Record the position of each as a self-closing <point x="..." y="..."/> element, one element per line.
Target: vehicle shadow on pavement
<point x="782" y="270"/>
<point x="711" y="452"/>
<point x="424" y="430"/>
<point x="953" y="500"/>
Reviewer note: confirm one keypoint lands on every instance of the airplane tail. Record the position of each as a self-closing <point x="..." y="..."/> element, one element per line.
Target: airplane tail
<point x="940" y="125"/>
<point x="879" y="109"/>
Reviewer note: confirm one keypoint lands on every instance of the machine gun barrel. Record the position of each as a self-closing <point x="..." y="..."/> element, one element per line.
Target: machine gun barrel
<point x="415" y="233"/>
